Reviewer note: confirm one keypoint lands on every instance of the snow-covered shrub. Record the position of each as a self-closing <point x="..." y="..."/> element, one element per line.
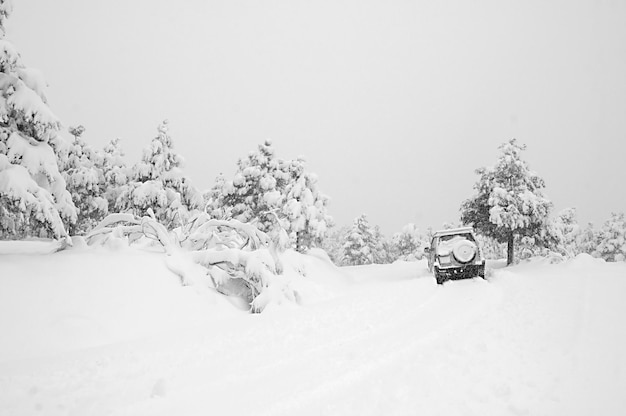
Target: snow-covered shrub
<point x="239" y="259"/>
<point x="509" y="201"/>
<point x="158" y="184"/>
<point x="33" y="196"/>
<point x="611" y="239"/>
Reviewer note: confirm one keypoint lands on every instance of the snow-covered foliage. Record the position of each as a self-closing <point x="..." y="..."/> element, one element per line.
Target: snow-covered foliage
<point x="278" y="196"/>
<point x="305" y="207"/>
<point x="158" y="184"/>
<point x="333" y="244"/>
<point x="115" y="172"/>
<point x="490" y="247"/>
<point x="409" y="243"/>
<point x="509" y="201"/>
<point x="80" y="166"/>
<point x="34" y="198"/>
<point x="611" y="239"/>
<point x="239" y="259"/>
<point x="363" y="243"/>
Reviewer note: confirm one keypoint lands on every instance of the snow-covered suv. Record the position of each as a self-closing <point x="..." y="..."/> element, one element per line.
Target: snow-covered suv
<point x="454" y="254"/>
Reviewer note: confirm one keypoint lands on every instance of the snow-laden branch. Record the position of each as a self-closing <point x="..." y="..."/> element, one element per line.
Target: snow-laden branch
<point x="233" y="254"/>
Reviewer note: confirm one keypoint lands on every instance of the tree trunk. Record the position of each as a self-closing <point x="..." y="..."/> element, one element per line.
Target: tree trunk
<point x="510" y="253"/>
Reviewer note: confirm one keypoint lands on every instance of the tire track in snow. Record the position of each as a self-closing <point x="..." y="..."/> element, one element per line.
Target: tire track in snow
<point x="302" y="373"/>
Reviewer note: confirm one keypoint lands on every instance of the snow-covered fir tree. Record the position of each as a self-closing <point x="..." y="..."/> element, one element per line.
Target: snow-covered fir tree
<point x="611" y="239"/>
<point x="509" y="201"/>
<point x="362" y="243"/>
<point x="80" y="167"/>
<point x="277" y="196"/>
<point x="159" y="185"/>
<point x="33" y="196"/>
<point x="116" y="173"/>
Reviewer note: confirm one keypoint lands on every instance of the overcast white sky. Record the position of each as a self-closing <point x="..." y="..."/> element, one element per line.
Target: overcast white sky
<point x="394" y="104"/>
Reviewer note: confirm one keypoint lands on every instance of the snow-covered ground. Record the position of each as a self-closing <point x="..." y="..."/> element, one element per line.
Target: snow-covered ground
<point x="112" y="332"/>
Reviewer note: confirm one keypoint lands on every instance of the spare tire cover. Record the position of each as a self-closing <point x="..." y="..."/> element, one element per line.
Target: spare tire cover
<point x="464" y="251"/>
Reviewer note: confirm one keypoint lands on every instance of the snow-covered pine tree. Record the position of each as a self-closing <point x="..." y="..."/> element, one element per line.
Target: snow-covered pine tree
<point x="509" y="201"/>
<point x="361" y="243"/>
<point x="305" y="207"/>
<point x="409" y="243"/>
<point x="586" y="240"/>
<point x="277" y="196"/>
<point x="611" y="238"/>
<point x="566" y="231"/>
<point x="80" y="167"/>
<point x="213" y="199"/>
<point x="33" y="197"/>
<point x="116" y="174"/>
<point x="254" y="195"/>
<point x="158" y="184"/>
<point x="333" y="244"/>
<point x="383" y="248"/>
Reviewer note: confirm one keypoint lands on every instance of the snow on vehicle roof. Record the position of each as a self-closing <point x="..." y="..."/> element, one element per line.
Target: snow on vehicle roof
<point x="454" y="231"/>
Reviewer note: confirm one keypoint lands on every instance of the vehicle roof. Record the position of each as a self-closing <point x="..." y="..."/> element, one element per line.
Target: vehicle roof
<point x="451" y="231"/>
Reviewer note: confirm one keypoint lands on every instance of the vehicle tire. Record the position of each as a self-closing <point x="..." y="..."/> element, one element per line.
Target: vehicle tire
<point x="439" y="277"/>
<point x="464" y="251"/>
<point x="481" y="271"/>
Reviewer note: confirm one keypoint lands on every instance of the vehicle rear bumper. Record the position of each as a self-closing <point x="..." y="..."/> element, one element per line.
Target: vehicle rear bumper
<point x="465" y="272"/>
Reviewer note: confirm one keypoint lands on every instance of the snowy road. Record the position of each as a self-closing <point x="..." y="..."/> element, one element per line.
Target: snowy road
<point x="535" y="339"/>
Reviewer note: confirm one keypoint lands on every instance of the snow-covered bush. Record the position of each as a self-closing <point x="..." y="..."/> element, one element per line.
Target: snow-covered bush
<point x="158" y="184"/>
<point x="239" y="259"/>
<point x="33" y="195"/>
<point x="611" y="239"/>
<point x="509" y="202"/>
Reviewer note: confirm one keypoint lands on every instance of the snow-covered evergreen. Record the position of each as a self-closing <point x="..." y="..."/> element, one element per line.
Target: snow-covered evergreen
<point x="509" y="201"/>
<point x="277" y="196"/>
<point x="116" y="173"/>
<point x="333" y="244"/>
<point x="611" y="239"/>
<point x="254" y="194"/>
<point x="363" y="243"/>
<point x="159" y="185"/>
<point x="409" y="243"/>
<point x="81" y="168"/>
<point x="33" y="196"/>
<point x="305" y="207"/>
